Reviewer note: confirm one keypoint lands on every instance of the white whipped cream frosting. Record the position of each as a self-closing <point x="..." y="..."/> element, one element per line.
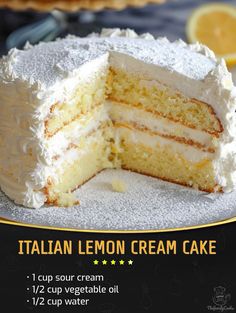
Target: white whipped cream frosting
<point x="33" y="79"/>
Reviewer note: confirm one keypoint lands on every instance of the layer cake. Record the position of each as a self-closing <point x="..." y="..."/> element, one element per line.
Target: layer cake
<point x="76" y="106"/>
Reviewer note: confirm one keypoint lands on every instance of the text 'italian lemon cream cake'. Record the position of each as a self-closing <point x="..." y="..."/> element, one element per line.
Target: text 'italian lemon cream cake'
<point x="71" y="108"/>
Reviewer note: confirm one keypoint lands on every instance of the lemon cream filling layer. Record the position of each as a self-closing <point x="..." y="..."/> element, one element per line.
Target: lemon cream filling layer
<point x="157" y="142"/>
<point x="71" y="134"/>
<point x="141" y="119"/>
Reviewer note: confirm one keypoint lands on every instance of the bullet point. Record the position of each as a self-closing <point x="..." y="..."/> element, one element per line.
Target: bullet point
<point x="27" y="288"/>
<point x="27" y="300"/>
<point x="27" y="276"/>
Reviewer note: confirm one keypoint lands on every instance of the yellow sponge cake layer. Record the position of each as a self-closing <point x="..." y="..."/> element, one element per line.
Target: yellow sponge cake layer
<point x="163" y="161"/>
<point x="157" y="98"/>
<point x="80" y="164"/>
<point x="85" y="98"/>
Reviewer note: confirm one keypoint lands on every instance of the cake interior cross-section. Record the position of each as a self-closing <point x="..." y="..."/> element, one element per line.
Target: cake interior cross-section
<point x="74" y="107"/>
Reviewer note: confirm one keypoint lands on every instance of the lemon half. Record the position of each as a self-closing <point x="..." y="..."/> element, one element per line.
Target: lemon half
<point x="214" y="25"/>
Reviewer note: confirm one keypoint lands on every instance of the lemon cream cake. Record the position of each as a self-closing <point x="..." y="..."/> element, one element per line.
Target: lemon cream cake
<point x="76" y="106"/>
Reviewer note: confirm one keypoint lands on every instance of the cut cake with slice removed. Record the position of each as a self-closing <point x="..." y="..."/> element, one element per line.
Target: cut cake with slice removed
<point x="76" y="106"/>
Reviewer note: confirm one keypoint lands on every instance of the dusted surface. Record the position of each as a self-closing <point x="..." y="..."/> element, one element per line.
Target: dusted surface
<point x="147" y="204"/>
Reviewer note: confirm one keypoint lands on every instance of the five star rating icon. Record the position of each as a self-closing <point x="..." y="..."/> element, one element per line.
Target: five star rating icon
<point x="113" y="262"/>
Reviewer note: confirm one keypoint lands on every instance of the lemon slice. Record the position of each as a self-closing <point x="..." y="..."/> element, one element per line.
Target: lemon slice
<point x="215" y="26"/>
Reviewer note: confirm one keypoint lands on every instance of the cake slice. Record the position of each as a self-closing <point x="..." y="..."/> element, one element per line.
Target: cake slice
<point x="71" y="108"/>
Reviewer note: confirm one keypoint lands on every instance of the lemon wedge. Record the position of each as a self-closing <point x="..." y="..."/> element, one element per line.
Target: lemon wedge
<point x="214" y="25"/>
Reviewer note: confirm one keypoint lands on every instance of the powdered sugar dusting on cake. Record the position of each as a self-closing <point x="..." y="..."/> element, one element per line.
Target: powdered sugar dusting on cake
<point x="147" y="204"/>
<point x="47" y="63"/>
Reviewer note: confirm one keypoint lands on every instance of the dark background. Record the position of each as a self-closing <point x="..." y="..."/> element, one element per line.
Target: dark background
<point x="156" y="283"/>
<point x="167" y="19"/>
<point x="153" y="284"/>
